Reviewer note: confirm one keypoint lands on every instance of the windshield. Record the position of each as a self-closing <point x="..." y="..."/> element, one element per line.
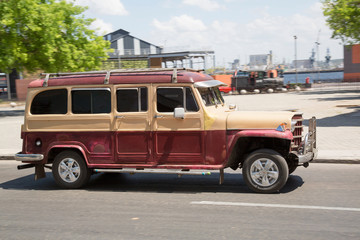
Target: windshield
<point x="211" y="96"/>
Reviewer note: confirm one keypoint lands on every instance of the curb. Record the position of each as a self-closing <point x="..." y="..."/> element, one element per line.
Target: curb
<point x="337" y="161"/>
<point x="7" y="157"/>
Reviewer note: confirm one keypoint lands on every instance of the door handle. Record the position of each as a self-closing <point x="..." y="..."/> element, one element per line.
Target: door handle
<point x="158" y="116"/>
<point x="118" y="117"/>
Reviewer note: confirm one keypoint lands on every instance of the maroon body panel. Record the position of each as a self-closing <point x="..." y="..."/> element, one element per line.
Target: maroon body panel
<point x="193" y="149"/>
<point x="135" y="148"/>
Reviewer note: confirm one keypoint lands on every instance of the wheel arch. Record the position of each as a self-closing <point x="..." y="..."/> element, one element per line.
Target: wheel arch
<point x="243" y="146"/>
<point x="56" y="149"/>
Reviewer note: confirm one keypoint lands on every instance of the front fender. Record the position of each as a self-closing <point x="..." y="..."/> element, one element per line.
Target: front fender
<point x="234" y="136"/>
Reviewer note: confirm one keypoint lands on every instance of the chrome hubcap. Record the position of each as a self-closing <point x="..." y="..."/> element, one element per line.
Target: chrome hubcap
<point x="264" y="172"/>
<point x="69" y="170"/>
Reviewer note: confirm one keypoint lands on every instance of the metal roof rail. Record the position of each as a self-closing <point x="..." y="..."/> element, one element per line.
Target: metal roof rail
<point x="48" y="75"/>
<point x="108" y="73"/>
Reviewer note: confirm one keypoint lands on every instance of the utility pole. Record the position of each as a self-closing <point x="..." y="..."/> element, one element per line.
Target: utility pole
<point x="8" y="86"/>
<point x="296" y="76"/>
<point x="318" y="59"/>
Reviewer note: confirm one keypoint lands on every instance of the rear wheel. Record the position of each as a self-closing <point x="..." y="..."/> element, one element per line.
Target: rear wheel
<point x="265" y="171"/>
<point x="70" y="170"/>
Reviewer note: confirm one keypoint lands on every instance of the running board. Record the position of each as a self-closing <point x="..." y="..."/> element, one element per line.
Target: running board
<point x="180" y="173"/>
<point x="159" y="171"/>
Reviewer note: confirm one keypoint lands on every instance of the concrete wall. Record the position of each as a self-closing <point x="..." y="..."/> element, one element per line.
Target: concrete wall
<point x="21" y="88"/>
<point x="352" y="63"/>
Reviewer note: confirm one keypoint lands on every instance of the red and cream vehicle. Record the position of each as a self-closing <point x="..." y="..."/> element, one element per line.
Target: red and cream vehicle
<point x="155" y="120"/>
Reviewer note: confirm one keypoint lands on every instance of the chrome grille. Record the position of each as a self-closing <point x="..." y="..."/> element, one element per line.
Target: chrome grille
<point x="297" y="133"/>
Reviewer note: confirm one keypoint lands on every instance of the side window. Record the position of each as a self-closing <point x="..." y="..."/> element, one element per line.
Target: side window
<point x="170" y="98"/>
<point x="50" y="102"/>
<point x="91" y="101"/>
<point x="132" y="99"/>
<point x="191" y="105"/>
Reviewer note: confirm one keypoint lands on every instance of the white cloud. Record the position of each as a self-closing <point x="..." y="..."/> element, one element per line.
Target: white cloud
<point x="178" y="24"/>
<point x="101" y="27"/>
<point x="105" y="7"/>
<point x="208" y="5"/>
<point x="232" y="39"/>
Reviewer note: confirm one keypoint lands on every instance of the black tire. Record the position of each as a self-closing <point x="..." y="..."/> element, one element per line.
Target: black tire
<point x="265" y="171"/>
<point x="70" y="170"/>
<point x="292" y="167"/>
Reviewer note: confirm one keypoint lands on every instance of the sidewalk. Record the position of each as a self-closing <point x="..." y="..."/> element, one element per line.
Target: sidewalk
<point x="337" y="109"/>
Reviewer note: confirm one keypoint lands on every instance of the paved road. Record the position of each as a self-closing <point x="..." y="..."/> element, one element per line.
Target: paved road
<point x="320" y="202"/>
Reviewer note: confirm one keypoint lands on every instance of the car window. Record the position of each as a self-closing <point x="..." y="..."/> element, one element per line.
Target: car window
<point x="211" y="96"/>
<point x="170" y="98"/>
<point x="132" y="99"/>
<point x="191" y="105"/>
<point x="50" y="102"/>
<point x="91" y="101"/>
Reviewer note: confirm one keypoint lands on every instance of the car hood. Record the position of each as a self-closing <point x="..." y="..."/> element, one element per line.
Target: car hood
<point x="258" y="120"/>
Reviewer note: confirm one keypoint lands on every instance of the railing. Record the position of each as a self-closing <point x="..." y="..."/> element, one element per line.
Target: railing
<point x="132" y="52"/>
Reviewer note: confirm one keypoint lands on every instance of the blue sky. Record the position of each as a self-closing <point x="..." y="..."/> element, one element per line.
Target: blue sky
<point x="232" y="28"/>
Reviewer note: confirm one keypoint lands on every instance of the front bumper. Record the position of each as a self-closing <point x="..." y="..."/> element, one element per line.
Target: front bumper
<point x="29" y="157"/>
<point x="307" y="150"/>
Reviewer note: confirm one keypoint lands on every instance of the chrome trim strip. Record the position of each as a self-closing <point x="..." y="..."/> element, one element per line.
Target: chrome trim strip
<point x="90" y="89"/>
<point x="29" y="157"/>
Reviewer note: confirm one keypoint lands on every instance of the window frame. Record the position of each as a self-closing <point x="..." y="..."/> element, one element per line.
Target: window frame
<point x="48" y="90"/>
<point x="139" y="91"/>
<point x="183" y="88"/>
<point x="89" y="89"/>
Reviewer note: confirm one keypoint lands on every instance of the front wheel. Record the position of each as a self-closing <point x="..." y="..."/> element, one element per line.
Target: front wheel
<point x="70" y="170"/>
<point x="265" y="171"/>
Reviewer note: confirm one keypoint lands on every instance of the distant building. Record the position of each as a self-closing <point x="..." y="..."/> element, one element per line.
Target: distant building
<point x="132" y="52"/>
<point x="126" y="45"/>
<point x="352" y="63"/>
<point x="259" y="60"/>
<point x="302" y="64"/>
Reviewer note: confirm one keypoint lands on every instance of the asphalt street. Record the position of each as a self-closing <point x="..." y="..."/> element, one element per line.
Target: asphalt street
<point x="319" y="202"/>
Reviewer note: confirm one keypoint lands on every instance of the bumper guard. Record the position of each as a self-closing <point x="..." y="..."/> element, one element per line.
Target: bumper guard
<point x="307" y="150"/>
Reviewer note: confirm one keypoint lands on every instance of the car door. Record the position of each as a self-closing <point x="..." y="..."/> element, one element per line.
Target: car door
<point x="177" y="140"/>
<point x="132" y="124"/>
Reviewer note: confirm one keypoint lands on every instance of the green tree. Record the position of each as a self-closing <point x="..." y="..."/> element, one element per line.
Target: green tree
<point x="50" y="35"/>
<point x="343" y="17"/>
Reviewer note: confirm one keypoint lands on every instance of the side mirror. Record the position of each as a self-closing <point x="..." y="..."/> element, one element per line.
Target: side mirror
<point x="179" y="113"/>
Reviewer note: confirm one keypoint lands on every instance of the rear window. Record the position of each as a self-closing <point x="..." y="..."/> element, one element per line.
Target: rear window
<point x="50" y="102"/>
<point x="91" y="101"/>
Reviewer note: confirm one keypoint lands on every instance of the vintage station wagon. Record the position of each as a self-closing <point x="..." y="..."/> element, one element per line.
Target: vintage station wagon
<point x="155" y="120"/>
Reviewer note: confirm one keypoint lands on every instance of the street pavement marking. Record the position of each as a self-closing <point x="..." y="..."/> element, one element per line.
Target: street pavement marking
<point x="274" y="206"/>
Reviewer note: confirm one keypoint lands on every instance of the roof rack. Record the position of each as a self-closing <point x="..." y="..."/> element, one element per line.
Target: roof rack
<point x="108" y="73"/>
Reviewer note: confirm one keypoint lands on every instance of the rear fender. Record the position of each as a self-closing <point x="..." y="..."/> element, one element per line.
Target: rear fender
<point x="78" y="147"/>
